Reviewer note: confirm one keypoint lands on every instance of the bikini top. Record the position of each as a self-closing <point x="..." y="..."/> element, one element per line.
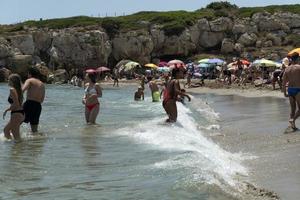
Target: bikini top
<point x="91" y="91"/>
<point x="10" y="100"/>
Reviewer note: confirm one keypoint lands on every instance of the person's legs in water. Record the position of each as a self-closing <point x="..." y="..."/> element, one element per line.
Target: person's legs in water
<point x="16" y="121"/>
<point x="171" y="109"/>
<point x="7" y="129"/>
<point x="93" y="114"/>
<point x="293" y="110"/>
<point x="87" y="114"/>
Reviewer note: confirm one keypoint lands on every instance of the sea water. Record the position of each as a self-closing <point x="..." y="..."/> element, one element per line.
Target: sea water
<point x="131" y="154"/>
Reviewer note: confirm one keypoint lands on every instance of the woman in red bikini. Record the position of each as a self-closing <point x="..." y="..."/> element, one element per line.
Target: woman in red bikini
<point x="171" y="93"/>
<point x="90" y="99"/>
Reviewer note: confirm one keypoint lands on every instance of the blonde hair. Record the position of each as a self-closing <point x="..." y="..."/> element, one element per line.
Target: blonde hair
<point x="15" y="82"/>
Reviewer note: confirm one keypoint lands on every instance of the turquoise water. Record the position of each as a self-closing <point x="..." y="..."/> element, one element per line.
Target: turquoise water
<point x="131" y="154"/>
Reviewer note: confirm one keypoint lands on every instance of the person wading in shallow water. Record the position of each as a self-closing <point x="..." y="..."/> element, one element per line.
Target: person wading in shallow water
<point x="17" y="114"/>
<point x="291" y="79"/>
<point x="35" y="97"/>
<point x="171" y="93"/>
<point x="90" y="99"/>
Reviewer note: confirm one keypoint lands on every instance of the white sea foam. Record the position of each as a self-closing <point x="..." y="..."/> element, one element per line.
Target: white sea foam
<point x="192" y="149"/>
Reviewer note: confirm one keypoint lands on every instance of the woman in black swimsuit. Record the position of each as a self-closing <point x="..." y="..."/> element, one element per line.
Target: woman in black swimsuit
<point x="17" y="114"/>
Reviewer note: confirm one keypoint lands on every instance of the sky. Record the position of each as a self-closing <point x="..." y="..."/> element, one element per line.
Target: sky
<point x="14" y="11"/>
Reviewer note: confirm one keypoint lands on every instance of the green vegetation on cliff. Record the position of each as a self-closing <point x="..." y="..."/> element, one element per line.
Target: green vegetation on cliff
<point x="172" y="22"/>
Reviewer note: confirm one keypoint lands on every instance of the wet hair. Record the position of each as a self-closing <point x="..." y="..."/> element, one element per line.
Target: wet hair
<point x="34" y="72"/>
<point x="92" y="76"/>
<point x="15" y="82"/>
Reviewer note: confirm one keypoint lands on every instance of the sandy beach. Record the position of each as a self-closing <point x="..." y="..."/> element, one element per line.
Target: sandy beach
<point x="253" y="121"/>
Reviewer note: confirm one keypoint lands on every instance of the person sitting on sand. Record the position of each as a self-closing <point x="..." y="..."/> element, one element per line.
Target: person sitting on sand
<point x="17" y="113"/>
<point x="171" y="93"/>
<point x="90" y="99"/>
<point x="139" y="94"/>
<point x="291" y="78"/>
<point x="154" y="89"/>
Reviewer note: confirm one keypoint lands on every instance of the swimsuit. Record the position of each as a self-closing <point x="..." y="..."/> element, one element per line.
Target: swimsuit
<point x="10" y="100"/>
<point x="293" y="91"/>
<point x="91" y="91"/>
<point x="156" y="96"/>
<point x="32" y="111"/>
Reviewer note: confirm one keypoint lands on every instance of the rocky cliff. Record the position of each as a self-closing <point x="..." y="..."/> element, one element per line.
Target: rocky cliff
<point x="94" y="46"/>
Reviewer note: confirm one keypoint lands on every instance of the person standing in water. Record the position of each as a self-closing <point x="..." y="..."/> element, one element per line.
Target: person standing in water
<point x="291" y="79"/>
<point x="139" y="94"/>
<point x="90" y="99"/>
<point x="154" y="89"/>
<point x="35" y="97"/>
<point x="171" y="93"/>
<point x="17" y="114"/>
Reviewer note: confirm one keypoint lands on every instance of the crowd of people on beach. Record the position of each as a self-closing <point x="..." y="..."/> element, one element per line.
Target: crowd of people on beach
<point x="166" y="87"/>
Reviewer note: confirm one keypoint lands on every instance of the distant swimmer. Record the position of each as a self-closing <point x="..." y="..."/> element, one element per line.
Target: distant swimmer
<point x="16" y="110"/>
<point x="171" y="93"/>
<point x="35" y="97"/>
<point x="139" y="94"/>
<point x="291" y="79"/>
<point x="154" y="89"/>
<point x="90" y="99"/>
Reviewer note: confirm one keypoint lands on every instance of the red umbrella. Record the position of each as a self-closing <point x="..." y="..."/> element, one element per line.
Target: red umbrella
<point x="102" y="69"/>
<point x="244" y="62"/>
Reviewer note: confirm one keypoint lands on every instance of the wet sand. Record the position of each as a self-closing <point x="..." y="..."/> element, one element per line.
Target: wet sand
<point x="253" y="122"/>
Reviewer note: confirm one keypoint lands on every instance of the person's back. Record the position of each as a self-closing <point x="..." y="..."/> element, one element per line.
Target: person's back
<point x="36" y="90"/>
<point x="292" y="75"/>
<point x="35" y="97"/>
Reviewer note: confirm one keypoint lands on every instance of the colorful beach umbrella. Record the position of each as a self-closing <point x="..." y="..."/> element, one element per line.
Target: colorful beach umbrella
<point x="151" y="65"/>
<point x="176" y="63"/>
<point x="297" y="50"/>
<point x="265" y="62"/>
<point x="211" y="60"/>
<point x="131" y="66"/>
<point x="90" y="71"/>
<point x="102" y="69"/>
<point x="244" y="62"/>
<point x="162" y="64"/>
<point x="163" y="69"/>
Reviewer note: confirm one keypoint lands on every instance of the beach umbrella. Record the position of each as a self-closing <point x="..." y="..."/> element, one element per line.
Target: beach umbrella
<point x="244" y="62"/>
<point x="297" y="50"/>
<point x="177" y="63"/>
<point x="203" y="65"/>
<point x="163" y="69"/>
<point x="131" y="66"/>
<point x="102" y="69"/>
<point x="162" y="64"/>
<point x="90" y="71"/>
<point x="151" y="65"/>
<point x="211" y="60"/>
<point x="265" y="62"/>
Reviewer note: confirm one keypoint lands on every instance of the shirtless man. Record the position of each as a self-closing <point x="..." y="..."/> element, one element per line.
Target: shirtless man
<point x="154" y="89"/>
<point x="291" y="78"/>
<point x="35" y="97"/>
<point x="171" y="93"/>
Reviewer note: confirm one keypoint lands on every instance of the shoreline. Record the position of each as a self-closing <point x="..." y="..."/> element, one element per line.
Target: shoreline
<point x="275" y="167"/>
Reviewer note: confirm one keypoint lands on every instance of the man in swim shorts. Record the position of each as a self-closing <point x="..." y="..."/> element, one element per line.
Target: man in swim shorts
<point x="35" y="97"/>
<point x="291" y="79"/>
<point x="154" y="89"/>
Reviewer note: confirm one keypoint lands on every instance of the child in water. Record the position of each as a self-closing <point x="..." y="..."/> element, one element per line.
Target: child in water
<point x="139" y="94"/>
